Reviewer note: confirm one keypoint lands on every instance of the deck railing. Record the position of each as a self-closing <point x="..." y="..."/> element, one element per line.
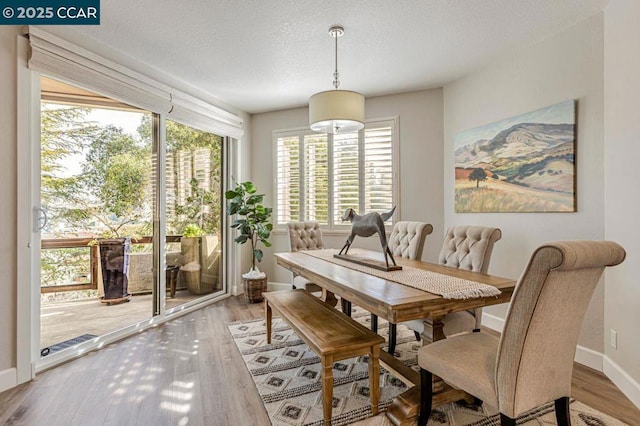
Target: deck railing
<point x="94" y="259"/>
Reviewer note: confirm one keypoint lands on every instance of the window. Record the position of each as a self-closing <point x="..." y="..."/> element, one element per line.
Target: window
<point x="318" y="176"/>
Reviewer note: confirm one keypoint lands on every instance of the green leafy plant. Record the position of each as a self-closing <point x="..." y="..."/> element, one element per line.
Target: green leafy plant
<point x="253" y="218"/>
<point x="192" y="230"/>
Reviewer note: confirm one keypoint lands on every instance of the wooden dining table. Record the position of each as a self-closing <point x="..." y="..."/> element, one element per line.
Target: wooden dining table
<point x="397" y="303"/>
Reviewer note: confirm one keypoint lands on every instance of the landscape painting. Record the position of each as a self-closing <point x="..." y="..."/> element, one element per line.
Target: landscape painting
<point x="521" y="164"/>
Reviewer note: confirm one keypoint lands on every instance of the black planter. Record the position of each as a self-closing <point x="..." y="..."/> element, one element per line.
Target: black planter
<point x="114" y="261"/>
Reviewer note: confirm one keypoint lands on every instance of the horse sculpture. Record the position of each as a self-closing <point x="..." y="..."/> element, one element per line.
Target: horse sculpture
<point x="367" y="225"/>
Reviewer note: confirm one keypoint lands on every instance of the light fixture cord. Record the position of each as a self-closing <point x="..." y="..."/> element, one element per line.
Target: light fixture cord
<point x="336" y="74"/>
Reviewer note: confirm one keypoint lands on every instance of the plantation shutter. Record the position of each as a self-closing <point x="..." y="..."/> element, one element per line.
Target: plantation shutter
<point x="319" y="176"/>
<point x="346" y="169"/>
<point x="316" y="178"/>
<point x="288" y="179"/>
<point x="378" y="167"/>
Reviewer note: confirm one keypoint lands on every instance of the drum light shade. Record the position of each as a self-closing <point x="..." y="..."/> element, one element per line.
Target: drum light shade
<point x="336" y="111"/>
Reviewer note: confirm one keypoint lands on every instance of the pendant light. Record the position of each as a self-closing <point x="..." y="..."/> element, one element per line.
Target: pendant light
<point x="336" y="111"/>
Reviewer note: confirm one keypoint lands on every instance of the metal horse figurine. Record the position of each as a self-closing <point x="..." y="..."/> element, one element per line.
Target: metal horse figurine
<point x="367" y="225"/>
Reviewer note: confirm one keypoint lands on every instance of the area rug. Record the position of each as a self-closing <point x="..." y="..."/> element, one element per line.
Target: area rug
<point x="287" y="376"/>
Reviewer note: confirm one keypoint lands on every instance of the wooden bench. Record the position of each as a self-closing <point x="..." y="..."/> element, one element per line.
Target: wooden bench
<point x="330" y="334"/>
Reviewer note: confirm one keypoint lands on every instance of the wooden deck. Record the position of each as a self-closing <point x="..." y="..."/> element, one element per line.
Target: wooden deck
<point x="64" y="320"/>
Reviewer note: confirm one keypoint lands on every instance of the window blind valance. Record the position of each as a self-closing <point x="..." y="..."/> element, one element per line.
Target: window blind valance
<point x="61" y="59"/>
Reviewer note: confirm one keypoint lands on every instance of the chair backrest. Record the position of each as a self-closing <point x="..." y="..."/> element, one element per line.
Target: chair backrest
<point x="304" y="236"/>
<point x="407" y="239"/>
<point x="535" y="357"/>
<point x="469" y="247"/>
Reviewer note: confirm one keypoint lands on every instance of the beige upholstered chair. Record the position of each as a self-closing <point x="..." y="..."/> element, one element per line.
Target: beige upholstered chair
<point x="304" y="236"/>
<point x="531" y="364"/>
<point x="406" y="240"/>
<point x="464" y="247"/>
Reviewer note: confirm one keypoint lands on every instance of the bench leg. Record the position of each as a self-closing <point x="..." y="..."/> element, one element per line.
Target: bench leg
<point x="327" y="389"/>
<point x="267" y="315"/>
<point x="374" y="378"/>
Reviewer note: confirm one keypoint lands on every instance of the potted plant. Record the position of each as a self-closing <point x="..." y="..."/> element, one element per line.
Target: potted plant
<point x="252" y="222"/>
<point x="190" y="250"/>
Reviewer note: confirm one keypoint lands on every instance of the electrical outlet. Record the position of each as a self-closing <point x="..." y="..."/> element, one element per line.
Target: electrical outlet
<point x="614" y="339"/>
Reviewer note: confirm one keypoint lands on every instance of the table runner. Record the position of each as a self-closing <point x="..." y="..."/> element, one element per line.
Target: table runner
<point x="443" y="285"/>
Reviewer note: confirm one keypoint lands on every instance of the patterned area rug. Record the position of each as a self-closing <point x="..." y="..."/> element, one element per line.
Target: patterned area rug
<point x="287" y="376"/>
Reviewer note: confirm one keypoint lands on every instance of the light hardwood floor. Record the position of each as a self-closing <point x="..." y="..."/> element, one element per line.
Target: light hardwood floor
<point x="189" y="372"/>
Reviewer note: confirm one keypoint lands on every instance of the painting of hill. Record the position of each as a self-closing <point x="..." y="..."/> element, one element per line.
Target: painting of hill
<point x="521" y="164"/>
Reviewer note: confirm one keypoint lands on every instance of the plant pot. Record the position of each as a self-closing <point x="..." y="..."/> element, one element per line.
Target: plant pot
<point x="190" y="249"/>
<point x="253" y="288"/>
<point x="114" y="263"/>
<point x="191" y="276"/>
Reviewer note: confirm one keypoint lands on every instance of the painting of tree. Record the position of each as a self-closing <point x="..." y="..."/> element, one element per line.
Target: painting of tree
<point x="478" y="175"/>
<point x="529" y="158"/>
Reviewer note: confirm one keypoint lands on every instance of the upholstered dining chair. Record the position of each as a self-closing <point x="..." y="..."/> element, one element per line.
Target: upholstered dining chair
<point x="406" y="240"/>
<point x="464" y="247"/>
<point x="304" y="236"/>
<point x="531" y="363"/>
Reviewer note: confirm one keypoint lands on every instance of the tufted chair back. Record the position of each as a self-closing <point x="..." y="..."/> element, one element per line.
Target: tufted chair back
<point x="407" y="239"/>
<point x="304" y="236"/>
<point x="469" y="247"/>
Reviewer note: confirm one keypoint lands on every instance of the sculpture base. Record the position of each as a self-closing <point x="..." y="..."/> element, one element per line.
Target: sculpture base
<point x="371" y="263"/>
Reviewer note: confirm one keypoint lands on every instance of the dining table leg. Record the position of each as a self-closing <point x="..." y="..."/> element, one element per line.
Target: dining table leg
<point x="392" y="338"/>
<point x="268" y="317"/>
<point x="329" y="298"/>
<point x="345" y="306"/>
<point x="404" y="409"/>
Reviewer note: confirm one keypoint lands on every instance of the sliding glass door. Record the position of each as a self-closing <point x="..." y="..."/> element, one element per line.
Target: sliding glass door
<point x="103" y="206"/>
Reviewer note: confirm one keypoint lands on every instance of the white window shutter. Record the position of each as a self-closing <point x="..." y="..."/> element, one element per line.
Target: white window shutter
<point x="378" y="169"/>
<point x="319" y="176"/>
<point x="316" y="178"/>
<point x="288" y="179"/>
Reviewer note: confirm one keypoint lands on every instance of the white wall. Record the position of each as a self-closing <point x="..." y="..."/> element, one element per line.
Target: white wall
<point x="8" y="196"/>
<point x="421" y="169"/>
<point x="622" y="204"/>
<point x="565" y="66"/>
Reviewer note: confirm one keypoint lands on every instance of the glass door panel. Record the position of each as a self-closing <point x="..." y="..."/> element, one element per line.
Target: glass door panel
<point x="97" y="180"/>
<point x="194" y="164"/>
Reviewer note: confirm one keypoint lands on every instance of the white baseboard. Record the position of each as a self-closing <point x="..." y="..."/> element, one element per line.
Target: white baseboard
<point x="271" y="286"/>
<point x="236" y="289"/>
<point x="589" y="357"/>
<point x="627" y="384"/>
<point x="493" y="322"/>
<point x="584" y="356"/>
<point x="8" y="379"/>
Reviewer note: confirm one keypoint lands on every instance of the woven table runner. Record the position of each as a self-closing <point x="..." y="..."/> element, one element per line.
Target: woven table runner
<point x="433" y="282"/>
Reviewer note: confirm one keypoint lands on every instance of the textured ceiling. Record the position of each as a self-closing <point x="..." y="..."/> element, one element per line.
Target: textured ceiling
<point x="263" y="55"/>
